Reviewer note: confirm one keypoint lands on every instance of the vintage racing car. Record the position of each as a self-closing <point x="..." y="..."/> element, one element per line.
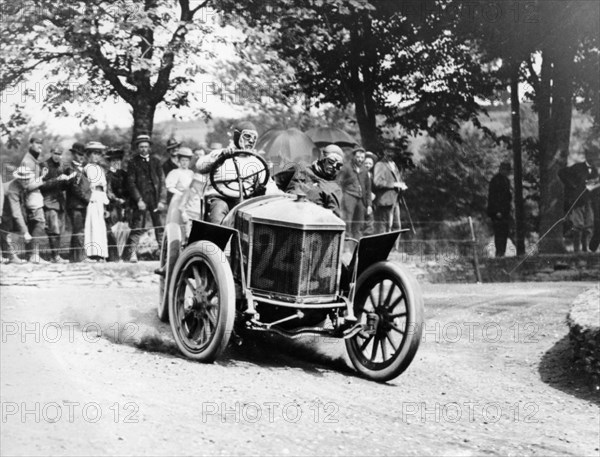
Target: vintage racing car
<point x="275" y="265"/>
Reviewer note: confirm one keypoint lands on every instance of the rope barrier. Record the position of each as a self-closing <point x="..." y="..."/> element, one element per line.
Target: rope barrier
<point x="562" y="219"/>
<point x="45" y="237"/>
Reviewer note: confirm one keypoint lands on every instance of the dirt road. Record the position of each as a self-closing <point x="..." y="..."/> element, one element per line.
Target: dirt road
<point x="90" y="371"/>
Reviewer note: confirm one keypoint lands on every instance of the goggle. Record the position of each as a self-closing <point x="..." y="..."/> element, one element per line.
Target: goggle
<point x="334" y="162"/>
<point x="248" y="136"/>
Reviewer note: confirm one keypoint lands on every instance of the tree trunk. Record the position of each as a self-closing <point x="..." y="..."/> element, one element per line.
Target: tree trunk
<point x="143" y="117"/>
<point x="368" y="128"/>
<point x="518" y="165"/>
<point x="554" y="134"/>
<point x="359" y="85"/>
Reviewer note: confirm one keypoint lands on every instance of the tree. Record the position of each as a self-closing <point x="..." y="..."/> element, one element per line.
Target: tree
<point x="563" y="36"/>
<point x="505" y="41"/>
<point x="145" y="52"/>
<point x="568" y="33"/>
<point x="374" y="57"/>
<point x="451" y="181"/>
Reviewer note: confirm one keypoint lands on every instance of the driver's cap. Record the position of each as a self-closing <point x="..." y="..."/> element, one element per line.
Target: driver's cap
<point x="334" y="151"/>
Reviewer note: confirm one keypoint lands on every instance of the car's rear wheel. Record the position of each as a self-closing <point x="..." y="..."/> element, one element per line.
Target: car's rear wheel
<point x="389" y="302"/>
<point x="169" y="251"/>
<point x="202" y="301"/>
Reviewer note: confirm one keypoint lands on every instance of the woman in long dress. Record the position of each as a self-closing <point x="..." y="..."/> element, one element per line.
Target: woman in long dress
<point x="96" y="242"/>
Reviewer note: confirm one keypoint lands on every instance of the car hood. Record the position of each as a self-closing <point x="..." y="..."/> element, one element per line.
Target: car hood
<point x="293" y="211"/>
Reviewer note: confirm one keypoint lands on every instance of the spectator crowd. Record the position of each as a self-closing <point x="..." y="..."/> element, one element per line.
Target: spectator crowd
<point x="110" y="206"/>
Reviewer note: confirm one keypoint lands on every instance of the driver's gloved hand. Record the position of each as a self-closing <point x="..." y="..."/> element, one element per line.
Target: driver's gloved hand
<point x="228" y="152"/>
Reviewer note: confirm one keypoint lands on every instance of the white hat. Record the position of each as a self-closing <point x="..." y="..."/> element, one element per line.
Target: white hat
<point x="94" y="146"/>
<point x="184" y="152"/>
<point x="23" y="173"/>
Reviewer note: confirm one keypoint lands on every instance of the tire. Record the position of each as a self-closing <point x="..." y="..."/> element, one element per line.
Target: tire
<point x="169" y="251"/>
<point x="391" y="299"/>
<point x="202" y="302"/>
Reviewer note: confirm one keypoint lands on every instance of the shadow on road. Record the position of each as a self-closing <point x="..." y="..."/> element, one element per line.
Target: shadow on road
<point x="273" y="351"/>
<point x="558" y="370"/>
<point x="313" y="355"/>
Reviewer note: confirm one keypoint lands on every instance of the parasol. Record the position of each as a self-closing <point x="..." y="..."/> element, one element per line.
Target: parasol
<point x="323" y="136"/>
<point x="282" y="147"/>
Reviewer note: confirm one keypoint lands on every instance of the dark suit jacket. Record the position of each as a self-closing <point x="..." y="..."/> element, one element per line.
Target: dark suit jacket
<point x="78" y="190"/>
<point x="499" y="197"/>
<point x="383" y="183"/>
<point x="356" y="184"/>
<point x="168" y="166"/>
<point x="52" y="189"/>
<point x="146" y="185"/>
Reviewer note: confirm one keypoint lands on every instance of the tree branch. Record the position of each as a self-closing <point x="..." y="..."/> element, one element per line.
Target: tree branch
<point x="112" y="75"/>
<point x="168" y="60"/>
<point x="17" y="75"/>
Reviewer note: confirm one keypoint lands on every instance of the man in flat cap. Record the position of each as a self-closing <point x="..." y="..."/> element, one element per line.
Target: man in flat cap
<point x="146" y="183"/>
<point x="13" y="213"/>
<point x="53" y="190"/>
<point x="356" y="200"/>
<point x="388" y="185"/>
<point x="499" y="207"/>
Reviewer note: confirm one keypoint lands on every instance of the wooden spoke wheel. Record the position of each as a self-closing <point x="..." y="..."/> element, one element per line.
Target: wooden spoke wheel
<point x="389" y="304"/>
<point x="202" y="301"/>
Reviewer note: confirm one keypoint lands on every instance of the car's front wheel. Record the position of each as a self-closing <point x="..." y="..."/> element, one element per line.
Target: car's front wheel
<point x="389" y="304"/>
<point x="202" y="301"/>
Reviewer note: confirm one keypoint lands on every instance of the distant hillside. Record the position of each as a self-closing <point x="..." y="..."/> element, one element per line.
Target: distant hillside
<point x="498" y="120"/>
<point x="182" y="130"/>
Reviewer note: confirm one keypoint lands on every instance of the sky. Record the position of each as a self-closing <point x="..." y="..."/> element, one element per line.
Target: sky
<point x="113" y="112"/>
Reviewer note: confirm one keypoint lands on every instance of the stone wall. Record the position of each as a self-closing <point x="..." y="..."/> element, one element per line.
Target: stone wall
<point x="584" y="330"/>
<point x="540" y="267"/>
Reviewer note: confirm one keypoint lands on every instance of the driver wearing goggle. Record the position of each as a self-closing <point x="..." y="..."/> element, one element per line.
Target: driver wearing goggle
<point x="247" y="139"/>
<point x="245" y="136"/>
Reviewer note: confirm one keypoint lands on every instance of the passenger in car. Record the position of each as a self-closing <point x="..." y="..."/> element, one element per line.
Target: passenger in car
<point x="317" y="181"/>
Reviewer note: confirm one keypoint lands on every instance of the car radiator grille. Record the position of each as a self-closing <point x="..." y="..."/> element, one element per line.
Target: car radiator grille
<point x="295" y="262"/>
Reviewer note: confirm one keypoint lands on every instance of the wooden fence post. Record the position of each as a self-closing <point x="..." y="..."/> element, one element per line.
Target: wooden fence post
<point x="475" y="258"/>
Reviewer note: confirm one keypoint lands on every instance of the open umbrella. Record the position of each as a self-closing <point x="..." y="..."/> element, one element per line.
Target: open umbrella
<point x="282" y="147"/>
<point x="323" y="136"/>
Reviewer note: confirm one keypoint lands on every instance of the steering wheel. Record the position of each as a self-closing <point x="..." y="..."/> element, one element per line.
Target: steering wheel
<point x="239" y="174"/>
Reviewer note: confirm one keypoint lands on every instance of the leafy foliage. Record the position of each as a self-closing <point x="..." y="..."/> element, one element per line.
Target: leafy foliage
<point x="145" y="52"/>
<point x="375" y="56"/>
